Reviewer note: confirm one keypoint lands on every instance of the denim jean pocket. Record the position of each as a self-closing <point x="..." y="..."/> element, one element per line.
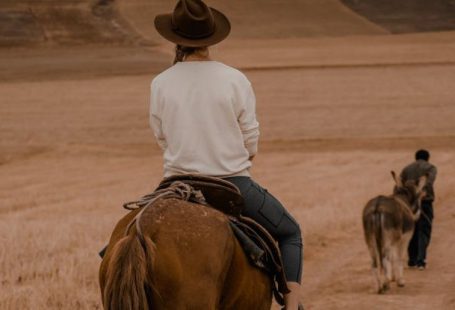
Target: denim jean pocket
<point x="271" y="209"/>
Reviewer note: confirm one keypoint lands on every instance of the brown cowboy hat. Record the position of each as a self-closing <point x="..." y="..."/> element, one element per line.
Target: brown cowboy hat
<point x="193" y="24"/>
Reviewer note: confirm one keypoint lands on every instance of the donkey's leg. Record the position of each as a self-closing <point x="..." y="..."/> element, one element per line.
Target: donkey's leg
<point x="387" y="262"/>
<point x="376" y="270"/>
<point x="396" y="259"/>
<point x="405" y="239"/>
<point x="375" y="264"/>
<point x="387" y="272"/>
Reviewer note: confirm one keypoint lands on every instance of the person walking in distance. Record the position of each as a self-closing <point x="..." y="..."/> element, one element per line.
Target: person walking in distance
<point x="203" y="116"/>
<point x="420" y="240"/>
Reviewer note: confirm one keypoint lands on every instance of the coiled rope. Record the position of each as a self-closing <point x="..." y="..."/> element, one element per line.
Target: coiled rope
<point x="177" y="189"/>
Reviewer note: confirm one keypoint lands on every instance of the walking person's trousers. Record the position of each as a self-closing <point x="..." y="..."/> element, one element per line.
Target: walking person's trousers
<point x="420" y="240"/>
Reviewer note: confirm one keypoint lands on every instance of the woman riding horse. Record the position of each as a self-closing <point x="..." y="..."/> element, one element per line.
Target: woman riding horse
<point x="202" y="113"/>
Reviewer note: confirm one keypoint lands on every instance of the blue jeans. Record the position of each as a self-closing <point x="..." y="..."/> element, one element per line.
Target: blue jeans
<point x="265" y="209"/>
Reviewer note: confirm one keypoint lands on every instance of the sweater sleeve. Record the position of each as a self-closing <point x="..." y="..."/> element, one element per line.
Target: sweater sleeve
<point x="431" y="175"/>
<point x="155" y="119"/>
<point x="247" y="120"/>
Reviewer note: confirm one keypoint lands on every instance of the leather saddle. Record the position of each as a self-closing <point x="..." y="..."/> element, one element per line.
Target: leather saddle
<point x="218" y="193"/>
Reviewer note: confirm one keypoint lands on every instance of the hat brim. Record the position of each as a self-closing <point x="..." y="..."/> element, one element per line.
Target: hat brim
<point x="163" y="24"/>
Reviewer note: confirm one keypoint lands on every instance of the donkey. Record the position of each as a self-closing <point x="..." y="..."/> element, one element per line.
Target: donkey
<point x="388" y="223"/>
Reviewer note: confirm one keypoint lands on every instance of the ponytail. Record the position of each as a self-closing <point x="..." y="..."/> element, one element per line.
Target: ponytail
<point x="182" y="51"/>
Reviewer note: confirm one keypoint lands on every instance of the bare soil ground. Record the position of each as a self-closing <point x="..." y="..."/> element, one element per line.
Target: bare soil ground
<point x="337" y="113"/>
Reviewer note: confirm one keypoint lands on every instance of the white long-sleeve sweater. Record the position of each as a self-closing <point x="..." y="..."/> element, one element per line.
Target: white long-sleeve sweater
<point x="203" y="116"/>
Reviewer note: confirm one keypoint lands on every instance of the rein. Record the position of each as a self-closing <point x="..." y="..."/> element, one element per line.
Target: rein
<point x="410" y="197"/>
<point x="178" y="190"/>
<point x="402" y="202"/>
<point x="397" y="198"/>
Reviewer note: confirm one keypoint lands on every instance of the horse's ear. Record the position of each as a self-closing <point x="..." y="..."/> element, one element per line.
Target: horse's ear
<point x="421" y="184"/>
<point x="396" y="179"/>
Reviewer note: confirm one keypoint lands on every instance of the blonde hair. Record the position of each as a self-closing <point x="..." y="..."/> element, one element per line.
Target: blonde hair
<point x="183" y="51"/>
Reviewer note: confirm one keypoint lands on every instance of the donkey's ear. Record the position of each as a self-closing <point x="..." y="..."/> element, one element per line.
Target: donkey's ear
<point x="421" y="184"/>
<point x="422" y="194"/>
<point x="396" y="179"/>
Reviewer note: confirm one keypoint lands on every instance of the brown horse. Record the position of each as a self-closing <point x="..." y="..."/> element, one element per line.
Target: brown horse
<point x="184" y="257"/>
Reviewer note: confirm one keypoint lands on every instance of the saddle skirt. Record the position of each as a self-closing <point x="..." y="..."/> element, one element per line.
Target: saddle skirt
<point x="262" y="251"/>
<point x="259" y="246"/>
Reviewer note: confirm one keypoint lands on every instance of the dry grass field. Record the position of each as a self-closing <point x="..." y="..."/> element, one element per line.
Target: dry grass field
<point x="336" y="114"/>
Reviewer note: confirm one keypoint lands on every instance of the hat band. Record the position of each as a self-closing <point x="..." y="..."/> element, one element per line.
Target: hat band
<point x="194" y="36"/>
